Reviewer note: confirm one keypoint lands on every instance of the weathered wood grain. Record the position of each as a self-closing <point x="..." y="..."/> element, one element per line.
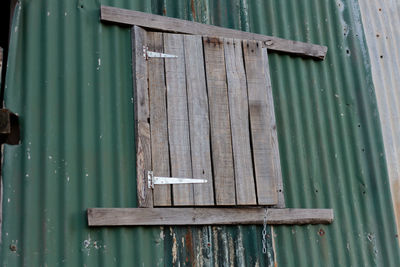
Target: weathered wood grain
<point x="142" y="115"/>
<point x="205" y="216"/>
<point x="158" y="119"/>
<point x="274" y="44"/>
<point x="198" y="119"/>
<point x="276" y="162"/>
<point x="260" y="122"/>
<point x="178" y="120"/>
<point x="239" y="118"/>
<point x="221" y="142"/>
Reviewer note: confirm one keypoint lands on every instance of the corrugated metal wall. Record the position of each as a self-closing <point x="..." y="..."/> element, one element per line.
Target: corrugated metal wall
<point x="382" y="20"/>
<point x="69" y="78"/>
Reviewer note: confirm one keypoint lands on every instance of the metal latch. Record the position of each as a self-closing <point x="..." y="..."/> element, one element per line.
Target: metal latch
<point x="147" y="54"/>
<point x="152" y="180"/>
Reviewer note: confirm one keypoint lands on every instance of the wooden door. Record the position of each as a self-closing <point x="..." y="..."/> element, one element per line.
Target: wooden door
<point x="205" y="113"/>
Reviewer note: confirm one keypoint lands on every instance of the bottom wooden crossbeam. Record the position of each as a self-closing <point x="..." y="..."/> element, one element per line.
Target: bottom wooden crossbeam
<point x="205" y="216"/>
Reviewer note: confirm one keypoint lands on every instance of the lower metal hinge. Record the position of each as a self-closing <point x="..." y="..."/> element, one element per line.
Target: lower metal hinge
<point x="153" y="180"/>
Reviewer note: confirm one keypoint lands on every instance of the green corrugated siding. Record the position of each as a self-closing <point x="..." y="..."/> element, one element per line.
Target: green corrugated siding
<point x="69" y="79"/>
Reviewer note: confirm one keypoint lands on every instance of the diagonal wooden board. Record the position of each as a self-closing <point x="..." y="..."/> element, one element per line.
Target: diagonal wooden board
<point x="205" y="216"/>
<point x="274" y="44"/>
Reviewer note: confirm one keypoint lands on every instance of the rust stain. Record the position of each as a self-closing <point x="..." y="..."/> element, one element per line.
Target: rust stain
<point x="273" y="236"/>
<point x="193" y="9"/>
<point x="213" y="40"/>
<point x="321" y="232"/>
<point x="395" y="189"/>
<point x="174" y="248"/>
<point x="189" y="245"/>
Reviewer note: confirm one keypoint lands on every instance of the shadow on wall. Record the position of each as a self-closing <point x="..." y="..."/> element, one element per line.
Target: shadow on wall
<point x="1" y="58"/>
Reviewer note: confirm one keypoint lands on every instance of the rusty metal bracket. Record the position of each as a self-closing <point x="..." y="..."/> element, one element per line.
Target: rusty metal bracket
<point x="9" y="127"/>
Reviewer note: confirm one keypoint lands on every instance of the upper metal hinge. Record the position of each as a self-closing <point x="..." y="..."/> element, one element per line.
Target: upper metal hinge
<point x="148" y="54"/>
<point x="153" y="180"/>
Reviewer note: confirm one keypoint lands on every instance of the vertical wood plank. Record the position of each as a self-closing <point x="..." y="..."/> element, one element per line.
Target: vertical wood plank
<point x="239" y="115"/>
<point x="263" y="153"/>
<point x="221" y="142"/>
<point x="276" y="162"/>
<point x="178" y="123"/>
<point x="142" y="129"/>
<point x="198" y="119"/>
<point x="158" y="119"/>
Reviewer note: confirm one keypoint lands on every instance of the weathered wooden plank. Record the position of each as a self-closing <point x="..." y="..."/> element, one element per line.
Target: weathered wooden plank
<point x="276" y="162"/>
<point x="221" y="142"/>
<point x="205" y="216"/>
<point x="158" y="119"/>
<point x="178" y="121"/>
<point x="239" y="118"/>
<point x="275" y="44"/>
<point x="260" y="121"/>
<point x="198" y="119"/>
<point x="142" y="129"/>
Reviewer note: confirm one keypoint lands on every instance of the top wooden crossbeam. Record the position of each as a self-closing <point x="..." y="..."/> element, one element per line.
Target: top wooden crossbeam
<point x="167" y="24"/>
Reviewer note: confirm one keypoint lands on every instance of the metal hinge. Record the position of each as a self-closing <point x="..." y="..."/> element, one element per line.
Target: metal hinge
<point x="152" y="180"/>
<point x="147" y="54"/>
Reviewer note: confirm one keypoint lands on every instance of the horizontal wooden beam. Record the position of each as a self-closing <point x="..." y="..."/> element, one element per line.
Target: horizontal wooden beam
<point x="205" y="216"/>
<point x="274" y="44"/>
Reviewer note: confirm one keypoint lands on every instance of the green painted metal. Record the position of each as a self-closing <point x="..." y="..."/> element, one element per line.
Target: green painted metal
<point x="69" y="78"/>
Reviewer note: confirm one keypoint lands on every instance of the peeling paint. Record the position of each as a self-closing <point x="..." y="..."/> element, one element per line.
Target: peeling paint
<point x="231" y="255"/>
<point x="89" y="244"/>
<point x="345" y="26"/>
<point x="382" y="32"/>
<point x="240" y="249"/>
<point x="162" y="235"/>
<point x="28" y="151"/>
<point x="98" y="63"/>
<point x="215" y="244"/>
<point x="372" y="240"/>
<point x="174" y="247"/>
